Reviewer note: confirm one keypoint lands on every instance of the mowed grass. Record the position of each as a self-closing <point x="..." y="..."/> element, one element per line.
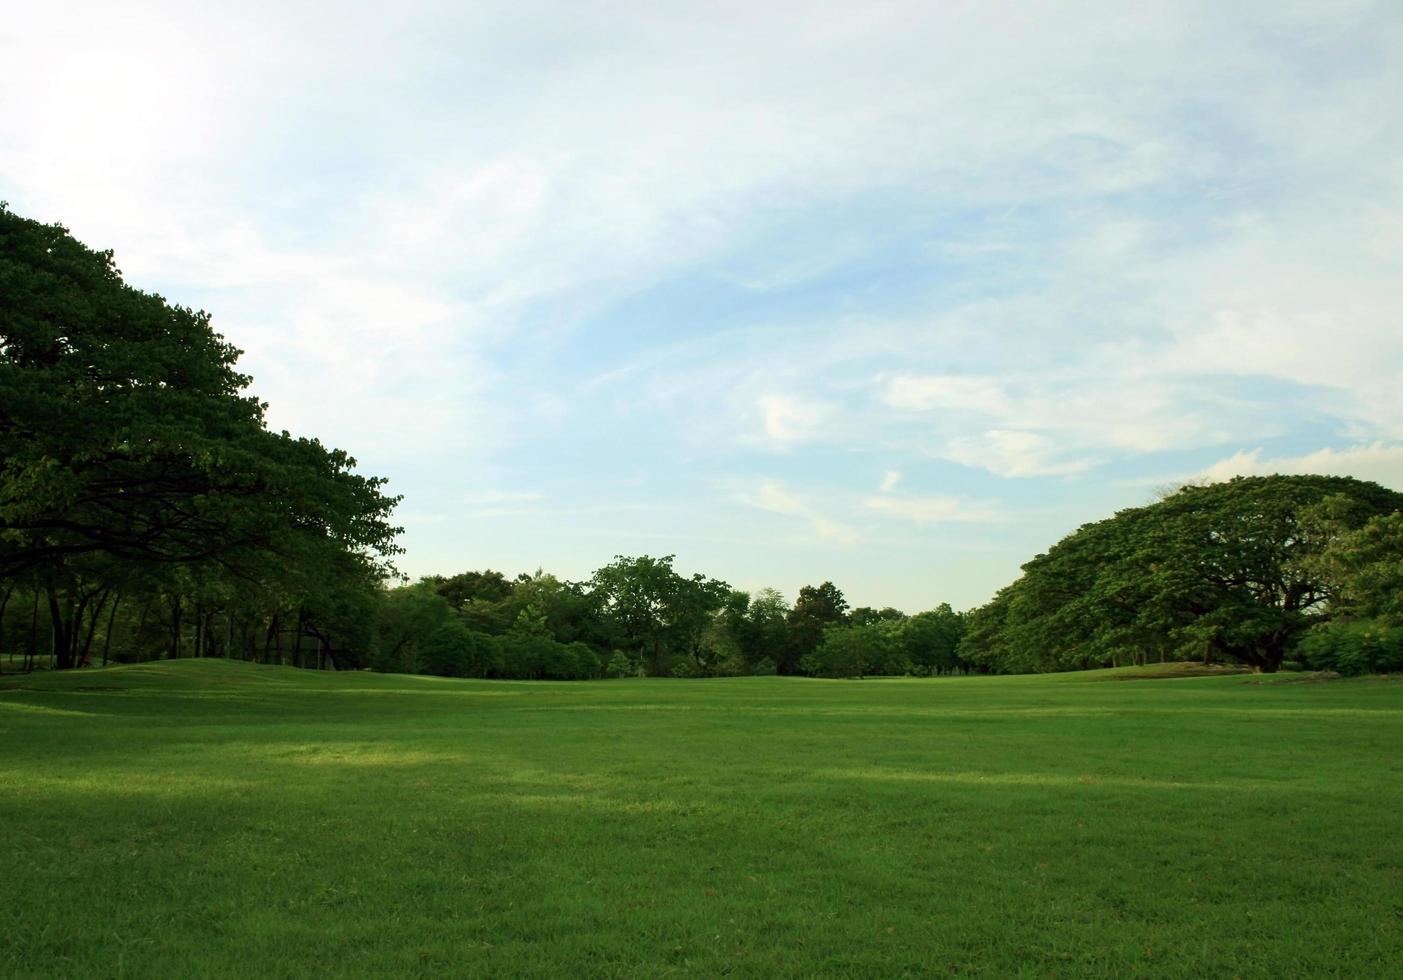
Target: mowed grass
<point x="213" y="819"/>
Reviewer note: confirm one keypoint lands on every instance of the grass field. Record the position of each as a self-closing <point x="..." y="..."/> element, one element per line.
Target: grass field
<point x="205" y="818"/>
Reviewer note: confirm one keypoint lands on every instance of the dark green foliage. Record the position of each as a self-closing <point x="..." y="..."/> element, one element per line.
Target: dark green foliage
<point x="816" y="609"/>
<point x="537" y="656"/>
<point x="867" y="616"/>
<point x="1226" y="571"/>
<point x="453" y="650"/>
<point x="857" y="651"/>
<point x="931" y="640"/>
<point x="655" y="613"/>
<point x="761" y="630"/>
<point x="406" y="617"/>
<point x="1364" y="567"/>
<point x="890" y="645"/>
<point x="620" y="664"/>
<point x="466" y="587"/>
<point x="1354" y="646"/>
<point x="638" y="616"/>
<point x="135" y="467"/>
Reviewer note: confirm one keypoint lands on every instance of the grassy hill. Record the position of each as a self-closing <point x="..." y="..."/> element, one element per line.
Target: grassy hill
<point x="205" y="818"/>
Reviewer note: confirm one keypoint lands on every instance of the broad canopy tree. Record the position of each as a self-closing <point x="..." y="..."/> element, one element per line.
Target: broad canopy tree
<point x="1363" y="567"/>
<point x="1229" y="570"/>
<point x="129" y="444"/>
<point x="816" y="609"/>
<point x="655" y="613"/>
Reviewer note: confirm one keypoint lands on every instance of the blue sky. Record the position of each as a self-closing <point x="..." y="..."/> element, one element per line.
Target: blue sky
<point x="891" y="294"/>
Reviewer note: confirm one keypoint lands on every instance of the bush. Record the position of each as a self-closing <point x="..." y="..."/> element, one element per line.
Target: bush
<point x="686" y="667"/>
<point x="1360" y="646"/>
<point x="620" y="665"/>
<point x="852" y="651"/>
<point x="453" y="650"/>
<point x="587" y="661"/>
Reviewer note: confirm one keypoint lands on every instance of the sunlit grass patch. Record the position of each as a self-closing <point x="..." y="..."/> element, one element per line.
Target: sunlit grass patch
<point x="219" y="819"/>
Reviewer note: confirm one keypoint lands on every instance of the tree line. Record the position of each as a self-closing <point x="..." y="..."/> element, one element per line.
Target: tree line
<point x="147" y="511"/>
<point x="638" y="616"/>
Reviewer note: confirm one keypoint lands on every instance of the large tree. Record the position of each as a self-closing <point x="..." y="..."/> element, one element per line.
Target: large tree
<point x="816" y="609"/>
<point x="1364" y="569"/>
<point x="931" y="639"/>
<point x="129" y="445"/>
<point x="1229" y="570"/>
<point x="654" y="612"/>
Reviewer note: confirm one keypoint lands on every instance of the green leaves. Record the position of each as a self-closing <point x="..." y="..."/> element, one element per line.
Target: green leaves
<point x="1231" y="569"/>
<point x="655" y="611"/>
<point x="129" y="446"/>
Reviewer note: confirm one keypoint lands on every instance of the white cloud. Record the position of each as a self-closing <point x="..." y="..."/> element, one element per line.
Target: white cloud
<point x="1012" y="453"/>
<point x="924" y="393"/>
<point x="790" y="419"/>
<point x="1347" y="347"/>
<point x="934" y="510"/>
<point x="772" y="496"/>
<point x="1377" y="461"/>
<point x="1029" y="226"/>
<point x="1117" y="400"/>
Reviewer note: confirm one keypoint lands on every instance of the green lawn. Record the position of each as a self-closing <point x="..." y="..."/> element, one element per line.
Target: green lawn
<point x="204" y="818"/>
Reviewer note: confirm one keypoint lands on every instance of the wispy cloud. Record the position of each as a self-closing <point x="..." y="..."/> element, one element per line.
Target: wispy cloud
<point x="1008" y="452"/>
<point x="1010" y="253"/>
<point x="772" y="496"/>
<point x="1376" y="461"/>
<point x="790" y="418"/>
<point x="924" y="393"/>
<point x="935" y="510"/>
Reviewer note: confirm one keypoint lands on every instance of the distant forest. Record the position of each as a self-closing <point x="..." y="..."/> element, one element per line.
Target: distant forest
<point x="147" y="511"/>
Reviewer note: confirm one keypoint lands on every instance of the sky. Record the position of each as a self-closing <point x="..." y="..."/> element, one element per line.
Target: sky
<point x="895" y="295"/>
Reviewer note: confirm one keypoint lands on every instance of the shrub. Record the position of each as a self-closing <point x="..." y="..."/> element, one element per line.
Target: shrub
<point x="1359" y="646"/>
<point x="453" y="650"/>
<point x="620" y="665"/>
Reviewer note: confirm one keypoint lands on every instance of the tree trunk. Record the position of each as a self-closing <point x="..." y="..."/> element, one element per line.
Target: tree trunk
<point x="3" y="603"/>
<point x="33" y="634"/>
<point x="297" y="642"/>
<point x="84" y="660"/>
<point x="111" y="619"/>
<point x="141" y="621"/>
<point x="175" y="628"/>
<point x="62" y="639"/>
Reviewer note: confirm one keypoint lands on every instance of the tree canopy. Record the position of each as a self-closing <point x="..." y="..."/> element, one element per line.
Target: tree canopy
<point x="132" y="457"/>
<point x="1228" y="570"/>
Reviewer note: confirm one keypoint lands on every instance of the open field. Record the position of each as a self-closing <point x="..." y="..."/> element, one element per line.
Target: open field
<point x="206" y="818"/>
